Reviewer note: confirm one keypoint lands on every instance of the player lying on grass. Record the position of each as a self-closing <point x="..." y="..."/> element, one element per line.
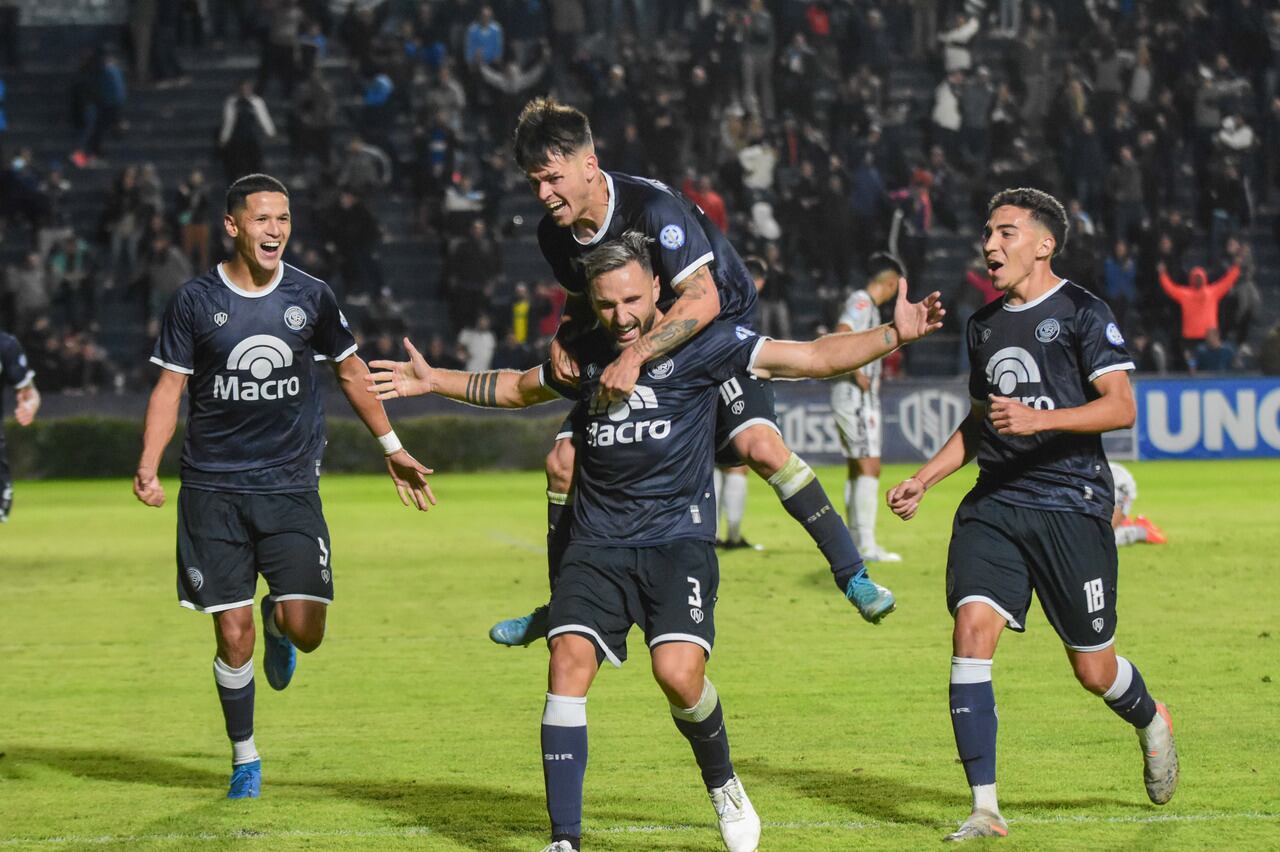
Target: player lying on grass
<point x="641" y="549"/>
<point x="1130" y="529"/>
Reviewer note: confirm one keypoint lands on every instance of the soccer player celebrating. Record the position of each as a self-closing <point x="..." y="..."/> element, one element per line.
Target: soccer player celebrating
<point x="855" y="402"/>
<point x="243" y="339"/>
<point x="641" y="547"/>
<point x="18" y="375"/>
<point x="1049" y="376"/>
<point x="703" y="279"/>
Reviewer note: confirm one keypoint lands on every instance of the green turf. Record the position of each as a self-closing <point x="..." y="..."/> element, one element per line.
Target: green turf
<point x="409" y="729"/>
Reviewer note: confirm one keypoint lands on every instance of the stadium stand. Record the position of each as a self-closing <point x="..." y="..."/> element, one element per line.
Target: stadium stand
<point x="828" y="128"/>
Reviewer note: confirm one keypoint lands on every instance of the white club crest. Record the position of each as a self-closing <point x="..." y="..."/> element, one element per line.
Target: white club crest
<point x="661" y="369"/>
<point x="295" y="317"/>
<point x="1098" y="624"/>
<point x="195" y="578"/>
<point x="1113" y="334"/>
<point x="1047" y="330"/>
<point x="220" y="318"/>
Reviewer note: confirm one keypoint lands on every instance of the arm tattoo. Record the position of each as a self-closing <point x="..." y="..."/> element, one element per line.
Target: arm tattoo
<point x="666" y="338"/>
<point x="482" y="388"/>
<point x="888" y="338"/>
<point x="695" y="286"/>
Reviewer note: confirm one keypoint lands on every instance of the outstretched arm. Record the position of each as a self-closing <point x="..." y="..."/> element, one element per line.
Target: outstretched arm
<point x="408" y="474"/>
<point x="835" y="354"/>
<point x="698" y="304"/>
<point x="904" y="498"/>
<point x="157" y="430"/>
<point x="488" y="389"/>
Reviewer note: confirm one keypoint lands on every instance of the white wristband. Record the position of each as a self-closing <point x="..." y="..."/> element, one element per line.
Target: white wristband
<point x="390" y="443"/>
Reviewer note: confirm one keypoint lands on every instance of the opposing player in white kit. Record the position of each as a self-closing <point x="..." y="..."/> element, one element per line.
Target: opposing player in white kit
<point x="1130" y="529"/>
<point x="855" y="402"/>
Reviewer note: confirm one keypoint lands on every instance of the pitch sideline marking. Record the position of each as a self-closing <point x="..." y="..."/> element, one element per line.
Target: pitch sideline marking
<point x="419" y="831"/>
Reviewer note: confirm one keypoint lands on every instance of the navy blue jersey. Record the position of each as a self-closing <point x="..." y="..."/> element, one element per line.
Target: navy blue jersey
<point x="14" y="371"/>
<point x="644" y="465"/>
<point x="255" y="422"/>
<point x="684" y="239"/>
<point x="1046" y="353"/>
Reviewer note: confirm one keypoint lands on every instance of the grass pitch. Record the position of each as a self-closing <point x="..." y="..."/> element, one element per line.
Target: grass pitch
<point x="409" y="729"/>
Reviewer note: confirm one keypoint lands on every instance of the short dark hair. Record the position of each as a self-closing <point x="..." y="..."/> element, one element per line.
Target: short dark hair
<point x="882" y="262"/>
<point x="1042" y="206"/>
<point x="631" y="247"/>
<point x="245" y="186"/>
<point x="548" y="128"/>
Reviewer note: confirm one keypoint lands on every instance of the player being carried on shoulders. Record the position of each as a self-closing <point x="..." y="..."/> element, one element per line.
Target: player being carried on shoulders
<point x="641" y="546"/>
<point x="702" y="279"/>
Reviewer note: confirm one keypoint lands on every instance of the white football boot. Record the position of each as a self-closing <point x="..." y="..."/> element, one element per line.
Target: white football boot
<point x="739" y="823"/>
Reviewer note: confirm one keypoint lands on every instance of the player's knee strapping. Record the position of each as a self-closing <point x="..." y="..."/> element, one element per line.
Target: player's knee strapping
<point x="235" y="692"/>
<point x="805" y="500"/>
<point x="564" y="762"/>
<point x="973" y="718"/>
<point x="703" y="726"/>
<point x="1128" y="695"/>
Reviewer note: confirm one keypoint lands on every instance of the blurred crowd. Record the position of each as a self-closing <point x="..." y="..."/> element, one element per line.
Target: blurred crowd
<point x="813" y="133"/>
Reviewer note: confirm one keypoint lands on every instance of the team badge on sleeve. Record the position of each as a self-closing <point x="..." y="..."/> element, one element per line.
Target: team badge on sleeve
<point x="671" y="237"/>
<point x="295" y="317"/>
<point x="1114" y="335"/>
<point x="1047" y="330"/>
<point x="661" y="369"/>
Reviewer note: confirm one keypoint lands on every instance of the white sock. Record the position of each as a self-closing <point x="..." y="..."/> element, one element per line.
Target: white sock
<point x="244" y="752"/>
<point x="735" y="504"/>
<point x="984" y="797"/>
<point x="1130" y="535"/>
<point x="718" y="478"/>
<point x="864" y="511"/>
<point x="848" y="510"/>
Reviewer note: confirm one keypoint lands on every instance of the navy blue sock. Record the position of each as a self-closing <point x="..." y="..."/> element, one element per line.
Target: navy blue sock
<point x="564" y="764"/>
<point x="703" y="726"/>
<point x="805" y="500"/>
<point x="235" y="692"/>
<point x="1128" y="696"/>
<point x="559" y="518"/>
<point x="973" y="718"/>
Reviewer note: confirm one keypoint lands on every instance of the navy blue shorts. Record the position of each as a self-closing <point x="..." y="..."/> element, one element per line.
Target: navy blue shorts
<point x="1000" y="553"/>
<point x="669" y="590"/>
<point x="225" y="540"/>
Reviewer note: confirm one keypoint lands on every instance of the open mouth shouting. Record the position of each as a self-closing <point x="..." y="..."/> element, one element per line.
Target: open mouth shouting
<point x="993" y="267"/>
<point x="270" y="249"/>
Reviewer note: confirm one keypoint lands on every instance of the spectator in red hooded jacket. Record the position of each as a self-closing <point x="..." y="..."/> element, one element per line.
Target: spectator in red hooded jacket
<point x="1199" y="301"/>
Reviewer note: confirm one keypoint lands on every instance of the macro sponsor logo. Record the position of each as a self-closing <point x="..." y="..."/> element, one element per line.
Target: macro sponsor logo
<point x="627" y="431"/>
<point x="1011" y="367"/>
<point x="259" y="356"/>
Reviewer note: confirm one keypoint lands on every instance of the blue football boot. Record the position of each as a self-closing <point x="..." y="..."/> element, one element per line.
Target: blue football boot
<point x="246" y="781"/>
<point x="523" y="630"/>
<point x="873" y="600"/>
